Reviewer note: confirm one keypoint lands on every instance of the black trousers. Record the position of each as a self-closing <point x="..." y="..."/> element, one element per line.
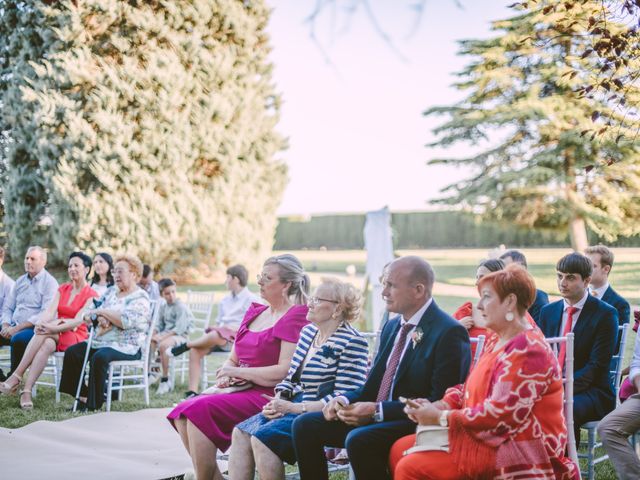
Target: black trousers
<point x="368" y="446"/>
<point x="99" y="359"/>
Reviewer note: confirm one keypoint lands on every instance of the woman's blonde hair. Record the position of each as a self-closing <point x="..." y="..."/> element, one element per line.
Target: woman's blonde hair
<point x="135" y="264"/>
<point x="348" y="297"/>
<point x="291" y="270"/>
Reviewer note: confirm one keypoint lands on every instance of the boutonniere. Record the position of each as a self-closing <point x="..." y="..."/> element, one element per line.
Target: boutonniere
<point x="416" y="336"/>
<point x="328" y="354"/>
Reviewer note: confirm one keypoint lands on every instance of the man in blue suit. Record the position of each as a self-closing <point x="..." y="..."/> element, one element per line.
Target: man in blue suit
<point x="595" y="327"/>
<point x="423" y="351"/>
<point x="542" y="299"/>
<point x="602" y="259"/>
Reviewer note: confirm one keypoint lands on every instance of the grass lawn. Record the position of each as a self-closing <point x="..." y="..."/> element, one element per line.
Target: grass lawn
<point x="455" y="268"/>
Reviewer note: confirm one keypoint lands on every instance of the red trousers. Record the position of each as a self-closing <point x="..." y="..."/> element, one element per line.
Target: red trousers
<point x="421" y="465"/>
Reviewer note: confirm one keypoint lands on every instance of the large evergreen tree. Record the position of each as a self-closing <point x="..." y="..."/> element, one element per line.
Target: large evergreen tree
<point x="543" y="167"/>
<point x="146" y="127"/>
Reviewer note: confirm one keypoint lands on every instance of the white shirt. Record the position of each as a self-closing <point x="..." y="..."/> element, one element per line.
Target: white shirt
<point x="233" y="307"/>
<point x="576" y="314"/>
<point x="414" y="320"/>
<point x="599" y="292"/>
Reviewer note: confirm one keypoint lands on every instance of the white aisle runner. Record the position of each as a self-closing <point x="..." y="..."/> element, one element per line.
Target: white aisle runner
<point x="114" y="445"/>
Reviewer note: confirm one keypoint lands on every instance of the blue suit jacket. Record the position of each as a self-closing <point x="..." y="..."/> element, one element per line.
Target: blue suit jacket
<point x="439" y="361"/>
<point x="541" y="300"/>
<point x="620" y="304"/>
<point x="596" y="332"/>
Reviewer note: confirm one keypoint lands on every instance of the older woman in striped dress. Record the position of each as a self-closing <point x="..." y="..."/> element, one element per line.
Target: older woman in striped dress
<point x="330" y="359"/>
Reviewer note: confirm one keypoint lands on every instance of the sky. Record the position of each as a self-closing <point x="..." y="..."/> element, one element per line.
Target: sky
<point x="352" y="106"/>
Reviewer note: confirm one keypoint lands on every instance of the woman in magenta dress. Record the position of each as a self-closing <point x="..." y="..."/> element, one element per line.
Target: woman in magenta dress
<point x="261" y="355"/>
<point x="57" y="328"/>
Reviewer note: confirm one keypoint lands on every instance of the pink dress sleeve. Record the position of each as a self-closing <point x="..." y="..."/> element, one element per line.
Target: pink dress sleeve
<point x="289" y="326"/>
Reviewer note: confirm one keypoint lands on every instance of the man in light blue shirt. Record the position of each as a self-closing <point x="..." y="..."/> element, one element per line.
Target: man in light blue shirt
<point x="28" y="298"/>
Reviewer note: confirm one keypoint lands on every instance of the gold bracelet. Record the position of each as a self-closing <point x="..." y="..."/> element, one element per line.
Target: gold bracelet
<point x="304" y="407"/>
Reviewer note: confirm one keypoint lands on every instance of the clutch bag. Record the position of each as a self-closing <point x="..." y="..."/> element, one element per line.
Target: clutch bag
<point x="429" y="438"/>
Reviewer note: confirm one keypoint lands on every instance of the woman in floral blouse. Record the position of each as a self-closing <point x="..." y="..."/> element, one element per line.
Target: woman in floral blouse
<point x="507" y="420"/>
<point x="123" y="315"/>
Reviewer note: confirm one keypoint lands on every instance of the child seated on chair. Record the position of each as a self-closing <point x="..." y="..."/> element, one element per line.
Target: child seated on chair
<point x="175" y="320"/>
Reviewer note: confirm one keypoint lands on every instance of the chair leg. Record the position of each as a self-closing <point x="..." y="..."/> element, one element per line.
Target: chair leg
<point x="591" y="453"/>
<point x="204" y="381"/>
<point x="121" y="383"/>
<point x="109" y="387"/>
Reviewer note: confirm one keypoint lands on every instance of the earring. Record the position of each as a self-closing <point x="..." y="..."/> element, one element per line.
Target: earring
<point x="509" y="317"/>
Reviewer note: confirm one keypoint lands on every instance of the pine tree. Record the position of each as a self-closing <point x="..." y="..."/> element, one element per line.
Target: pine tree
<point x="150" y="127"/>
<point x="543" y="168"/>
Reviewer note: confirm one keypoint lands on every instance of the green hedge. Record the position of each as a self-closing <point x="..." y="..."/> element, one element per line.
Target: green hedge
<point x="418" y="230"/>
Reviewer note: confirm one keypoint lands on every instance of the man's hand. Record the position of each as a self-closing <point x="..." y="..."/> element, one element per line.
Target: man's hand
<point x="357" y="414"/>
<point x="331" y="408"/>
<point x="7" y="330"/>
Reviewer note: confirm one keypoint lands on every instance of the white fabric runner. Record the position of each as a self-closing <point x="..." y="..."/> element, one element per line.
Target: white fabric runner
<point x="127" y="445"/>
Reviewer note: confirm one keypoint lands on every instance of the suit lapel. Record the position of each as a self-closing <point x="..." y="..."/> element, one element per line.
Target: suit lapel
<point x="584" y="319"/>
<point x="426" y="324"/>
<point x="557" y="318"/>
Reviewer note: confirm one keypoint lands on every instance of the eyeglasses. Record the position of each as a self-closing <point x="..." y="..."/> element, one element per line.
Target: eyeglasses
<point x="261" y="277"/>
<point x="317" y="300"/>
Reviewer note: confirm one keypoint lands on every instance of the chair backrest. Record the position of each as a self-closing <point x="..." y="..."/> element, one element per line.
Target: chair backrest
<point x="146" y="346"/>
<point x="479" y="341"/>
<point x="616" y="361"/>
<point x="567" y="380"/>
<point x="201" y="305"/>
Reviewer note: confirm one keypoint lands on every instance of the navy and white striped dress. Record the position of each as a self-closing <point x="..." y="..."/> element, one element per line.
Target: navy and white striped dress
<point x="338" y="366"/>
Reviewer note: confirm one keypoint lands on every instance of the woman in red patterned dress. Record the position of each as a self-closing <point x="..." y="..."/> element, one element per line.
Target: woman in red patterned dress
<point x="507" y="420"/>
<point x="57" y="328"/>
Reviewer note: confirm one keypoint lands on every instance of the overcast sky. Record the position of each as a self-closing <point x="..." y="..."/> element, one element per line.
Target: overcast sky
<point x="355" y="126"/>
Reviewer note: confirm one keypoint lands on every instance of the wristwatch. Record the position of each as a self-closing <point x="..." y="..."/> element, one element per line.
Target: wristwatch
<point x="377" y="416"/>
<point x="304" y="407"/>
<point x="444" y="418"/>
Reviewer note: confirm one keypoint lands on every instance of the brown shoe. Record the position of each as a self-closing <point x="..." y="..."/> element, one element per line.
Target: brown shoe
<point x="10" y="389"/>
<point x="28" y="404"/>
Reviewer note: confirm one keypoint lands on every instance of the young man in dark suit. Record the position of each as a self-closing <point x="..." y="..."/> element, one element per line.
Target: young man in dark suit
<point x="602" y="259"/>
<point x="595" y="327"/>
<point x="423" y="351"/>
<point x="542" y="299"/>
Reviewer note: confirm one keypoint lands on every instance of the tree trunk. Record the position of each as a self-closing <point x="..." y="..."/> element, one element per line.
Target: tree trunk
<point x="578" y="234"/>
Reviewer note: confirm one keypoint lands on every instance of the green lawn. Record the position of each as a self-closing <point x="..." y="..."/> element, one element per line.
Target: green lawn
<point x="452" y="267"/>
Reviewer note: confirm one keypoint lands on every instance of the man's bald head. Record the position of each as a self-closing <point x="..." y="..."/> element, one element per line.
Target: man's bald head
<point x="417" y="271"/>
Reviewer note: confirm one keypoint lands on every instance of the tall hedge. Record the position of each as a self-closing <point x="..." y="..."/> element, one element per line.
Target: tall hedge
<point x="146" y="127"/>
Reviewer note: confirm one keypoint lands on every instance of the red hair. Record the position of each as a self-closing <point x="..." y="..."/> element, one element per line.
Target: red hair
<point x="512" y="280"/>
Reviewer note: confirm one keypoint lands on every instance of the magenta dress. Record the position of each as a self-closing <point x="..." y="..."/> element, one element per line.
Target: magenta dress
<point x="216" y="415"/>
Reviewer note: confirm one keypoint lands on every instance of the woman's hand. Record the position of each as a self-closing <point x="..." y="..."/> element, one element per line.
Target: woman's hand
<point x="229" y="371"/>
<point x="47" y="329"/>
<point x="277" y="407"/>
<point x="425" y="414"/>
<point x="467" y="322"/>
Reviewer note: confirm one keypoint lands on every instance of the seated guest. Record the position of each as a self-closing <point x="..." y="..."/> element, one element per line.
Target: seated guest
<point x="423" y="351"/>
<point x="595" y="328"/>
<point x="330" y="360"/>
<point x="602" y="259"/>
<point x="516" y="256"/>
<point x="506" y="420"/>
<point x="60" y="326"/>
<point x="175" y="321"/>
<point x="6" y="284"/>
<point x="470" y="317"/>
<point x="29" y="297"/>
<point x="616" y="428"/>
<point x="147" y="283"/>
<point x="231" y="311"/>
<point x="259" y="359"/>
<point x="102" y="273"/>
<point x="123" y="315"/>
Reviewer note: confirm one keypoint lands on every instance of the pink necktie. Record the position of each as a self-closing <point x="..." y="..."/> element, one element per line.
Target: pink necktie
<point x="394" y="360"/>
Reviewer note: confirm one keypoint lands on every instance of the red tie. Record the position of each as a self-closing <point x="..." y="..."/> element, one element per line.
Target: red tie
<point x="394" y="360"/>
<point x="567" y="329"/>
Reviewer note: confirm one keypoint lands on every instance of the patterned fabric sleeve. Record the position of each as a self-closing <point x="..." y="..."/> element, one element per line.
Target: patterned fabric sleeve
<point x="454" y="397"/>
<point x="521" y="376"/>
<point x="352" y="367"/>
<point x="137" y="312"/>
<point x="304" y="343"/>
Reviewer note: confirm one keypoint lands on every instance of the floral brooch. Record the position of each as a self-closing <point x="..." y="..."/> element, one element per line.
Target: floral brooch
<point x="416" y="336"/>
<point x="328" y="354"/>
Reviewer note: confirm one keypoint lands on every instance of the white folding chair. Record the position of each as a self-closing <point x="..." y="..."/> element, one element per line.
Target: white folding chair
<point x="479" y="342"/>
<point x="201" y="305"/>
<point x="567" y="381"/>
<point x="50" y="376"/>
<point x="5" y="358"/>
<point x="591" y="427"/>
<point x="134" y="371"/>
